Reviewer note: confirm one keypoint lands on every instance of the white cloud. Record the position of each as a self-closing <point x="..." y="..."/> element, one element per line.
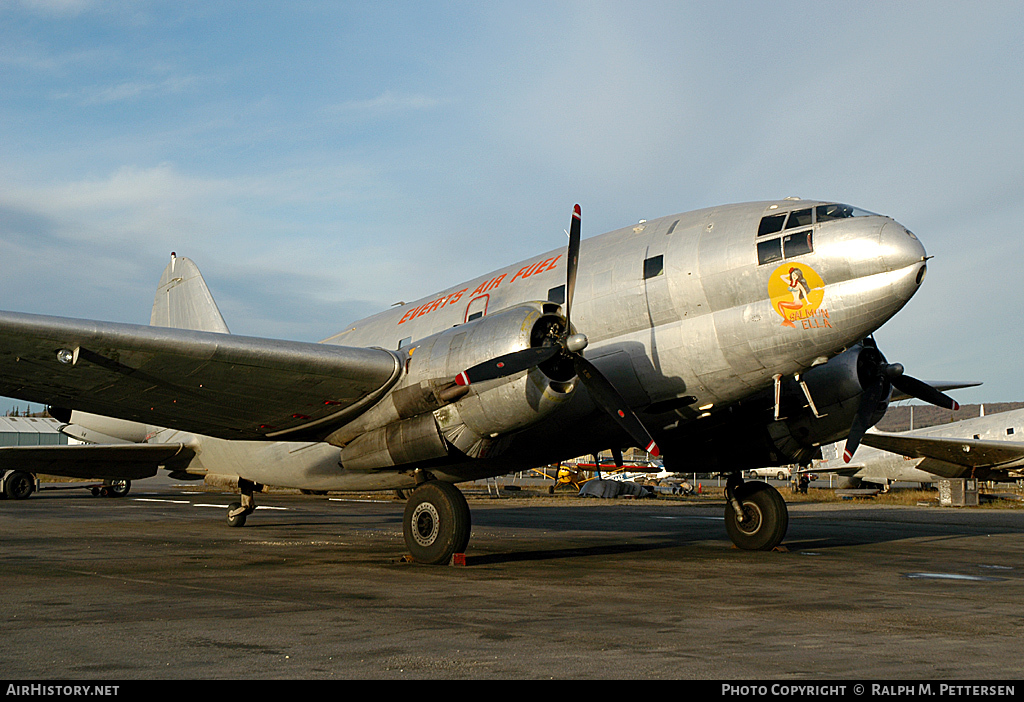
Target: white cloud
<point x="129" y="90"/>
<point x="387" y="103"/>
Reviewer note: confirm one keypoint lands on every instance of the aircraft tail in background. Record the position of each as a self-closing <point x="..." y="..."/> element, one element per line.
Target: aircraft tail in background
<point x="184" y="302"/>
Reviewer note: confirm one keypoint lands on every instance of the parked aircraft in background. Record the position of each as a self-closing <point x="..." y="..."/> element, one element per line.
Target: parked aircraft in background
<point x="986" y="448"/>
<point x="929" y="454"/>
<point x="728" y="338"/>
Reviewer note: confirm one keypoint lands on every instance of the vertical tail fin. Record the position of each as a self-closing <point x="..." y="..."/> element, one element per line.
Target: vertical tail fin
<point x="183" y="301"/>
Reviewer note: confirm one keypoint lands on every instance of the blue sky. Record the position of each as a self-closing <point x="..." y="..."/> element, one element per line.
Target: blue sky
<point x="321" y="160"/>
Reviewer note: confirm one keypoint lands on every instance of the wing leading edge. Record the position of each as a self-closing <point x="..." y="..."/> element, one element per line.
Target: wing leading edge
<point x="223" y="385"/>
<point x="949" y="456"/>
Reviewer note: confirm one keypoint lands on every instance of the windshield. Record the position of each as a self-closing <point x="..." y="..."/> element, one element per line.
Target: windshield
<point x="824" y="213"/>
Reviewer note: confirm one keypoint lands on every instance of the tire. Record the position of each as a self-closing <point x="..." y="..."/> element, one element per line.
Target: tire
<point x="19" y="485"/>
<point x="118" y="488"/>
<point x="436" y="523"/>
<point x="238" y="520"/>
<point x="781" y="475"/>
<point x="767" y="517"/>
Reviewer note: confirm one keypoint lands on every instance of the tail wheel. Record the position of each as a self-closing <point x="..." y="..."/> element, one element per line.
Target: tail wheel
<point x="765" y="517"/>
<point x="236" y="516"/>
<point x="118" y="488"/>
<point x="436" y="523"/>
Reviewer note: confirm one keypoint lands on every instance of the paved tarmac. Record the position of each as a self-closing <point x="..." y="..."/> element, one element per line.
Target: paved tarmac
<point x="157" y="586"/>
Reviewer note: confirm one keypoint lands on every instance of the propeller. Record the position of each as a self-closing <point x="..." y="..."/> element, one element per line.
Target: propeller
<point x="568" y="347"/>
<point x="879" y="377"/>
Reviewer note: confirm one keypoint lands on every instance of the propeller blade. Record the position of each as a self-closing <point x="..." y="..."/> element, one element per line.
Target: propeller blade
<point x="923" y="391"/>
<point x="609" y="399"/>
<point x="862" y="422"/>
<point x="506" y="365"/>
<point x="573" y="256"/>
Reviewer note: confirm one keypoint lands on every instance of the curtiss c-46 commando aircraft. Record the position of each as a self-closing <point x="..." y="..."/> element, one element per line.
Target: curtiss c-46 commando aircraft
<point x="724" y="339"/>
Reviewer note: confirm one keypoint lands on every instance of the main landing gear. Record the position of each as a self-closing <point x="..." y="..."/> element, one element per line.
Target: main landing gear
<point x="756" y="517"/>
<point x="436" y="524"/>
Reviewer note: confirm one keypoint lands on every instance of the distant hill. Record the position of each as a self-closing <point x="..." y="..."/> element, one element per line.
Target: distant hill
<point x="897" y="418"/>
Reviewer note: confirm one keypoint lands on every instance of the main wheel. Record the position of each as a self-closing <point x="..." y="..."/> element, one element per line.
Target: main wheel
<point x="766" y="517"/>
<point x="436" y="523"/>
<point x="118" y="488"/>
<point x="19" y="485"/>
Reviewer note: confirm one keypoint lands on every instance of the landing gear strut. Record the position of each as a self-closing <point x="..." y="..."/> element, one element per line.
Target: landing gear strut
<point x="436" y="524"/>
<point x="756" y="517"/>
<point x="238" y="511"/>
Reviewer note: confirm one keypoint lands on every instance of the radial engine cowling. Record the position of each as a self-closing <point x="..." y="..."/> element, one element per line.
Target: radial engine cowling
<point x="427" y="417"/>
<point x="837" y="389"/>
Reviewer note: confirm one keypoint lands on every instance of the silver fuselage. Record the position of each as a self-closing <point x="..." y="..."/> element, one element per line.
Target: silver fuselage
<point x="706" y="325"/>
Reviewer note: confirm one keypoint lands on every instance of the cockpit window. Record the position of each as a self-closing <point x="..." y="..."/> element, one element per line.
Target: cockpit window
<point x="825" y="213"/>
<point x="771" y="224"/>
<point x="769" y="250"/>
<point x="799" y="218"/>
<point x="797" y="244"/>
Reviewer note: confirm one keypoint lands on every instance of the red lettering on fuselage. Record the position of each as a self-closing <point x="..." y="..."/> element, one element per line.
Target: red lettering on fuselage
<point x="449" y="299"/>
<point x="485" y="287"/>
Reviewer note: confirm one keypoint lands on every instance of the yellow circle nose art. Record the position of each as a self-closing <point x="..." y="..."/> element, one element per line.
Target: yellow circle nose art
<point x="796" y="292"/>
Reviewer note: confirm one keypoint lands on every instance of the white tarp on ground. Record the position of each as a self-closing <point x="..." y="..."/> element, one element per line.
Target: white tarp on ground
<point x="613" y="488"/>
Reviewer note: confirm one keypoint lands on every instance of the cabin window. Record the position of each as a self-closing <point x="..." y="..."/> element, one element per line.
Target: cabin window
<point x="405" y="342"/>
<point x="768" y="251"/>
<point x="1009" y="431"/>
<point x="557" y="295"/>
<point x="797" y="244"/>
<point x="771" y="224"/>
<point x="654" y="266"/>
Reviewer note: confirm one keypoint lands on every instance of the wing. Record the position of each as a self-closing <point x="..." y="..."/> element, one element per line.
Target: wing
<point x="131" y="461"/>
<point x="223" y="385"/>
<point x="970" y="453"/>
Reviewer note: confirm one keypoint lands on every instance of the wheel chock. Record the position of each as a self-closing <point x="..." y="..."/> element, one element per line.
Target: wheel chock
<point x="458" y="559"/>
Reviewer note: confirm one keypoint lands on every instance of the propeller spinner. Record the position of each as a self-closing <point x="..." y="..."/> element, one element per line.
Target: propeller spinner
<point x="569" y="346"/>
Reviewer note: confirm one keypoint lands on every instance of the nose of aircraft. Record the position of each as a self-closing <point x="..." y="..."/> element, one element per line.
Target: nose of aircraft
<point x="902" y="251"/>
<point x="900" y="248"/>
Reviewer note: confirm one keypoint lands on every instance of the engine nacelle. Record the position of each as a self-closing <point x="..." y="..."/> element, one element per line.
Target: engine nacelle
<point x="756" y="441"/>
<point x="428" y="417"/>
<point x="837" y="390"/>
